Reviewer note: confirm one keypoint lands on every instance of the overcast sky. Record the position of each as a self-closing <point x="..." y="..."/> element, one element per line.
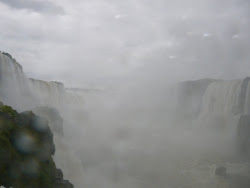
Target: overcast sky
<point x="95" y="41"/>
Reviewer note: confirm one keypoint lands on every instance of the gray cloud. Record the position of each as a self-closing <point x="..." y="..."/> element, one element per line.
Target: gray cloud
<point x="37" y="6"/>
<point x="109" y="40"/>
<point x="137" y="45"/>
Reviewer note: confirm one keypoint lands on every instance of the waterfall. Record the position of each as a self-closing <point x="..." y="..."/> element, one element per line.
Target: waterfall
<point x="206" y="99"/>
<point x="24" y="93"/>
<point x="213" y="109"/>
<point x="222" y="97"/>
<point x="14" y="87"/>
<point x="48" y="93"/>
<point x="224" y="102"/>
<point x="211" y="105"/>
<point x="227" y="97"/>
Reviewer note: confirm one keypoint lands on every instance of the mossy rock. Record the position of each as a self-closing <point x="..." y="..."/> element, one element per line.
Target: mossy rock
<point x="26" y="149"/>
<point x="7" y="110"/>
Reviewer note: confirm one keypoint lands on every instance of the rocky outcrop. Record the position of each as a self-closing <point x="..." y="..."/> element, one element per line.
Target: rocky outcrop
<point x="60" y="182"/>
<point x="26" y="150"/>
<point x="23" y="93"/>
<point x="53" y="117"/>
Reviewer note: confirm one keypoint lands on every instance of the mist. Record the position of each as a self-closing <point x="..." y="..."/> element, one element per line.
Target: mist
<point x="153" y="90"/>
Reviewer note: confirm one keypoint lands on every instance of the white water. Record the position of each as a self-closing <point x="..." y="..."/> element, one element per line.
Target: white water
<point x="127" y="142"/>
<point x="23" y="94"/>
<point x="217" y="122"/>
<point x="221" y="98"/>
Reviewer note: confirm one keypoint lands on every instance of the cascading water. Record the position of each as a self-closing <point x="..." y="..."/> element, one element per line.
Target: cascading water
<point x="146" y="159"/>
<point x="222" y="104"/>
<point x="48" y="93"/>
<point x="227" y="97"/>
<point x="22" y="93"/>
<point x="13" y="83"/>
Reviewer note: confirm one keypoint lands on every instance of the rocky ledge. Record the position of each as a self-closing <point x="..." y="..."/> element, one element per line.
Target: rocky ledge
<point x="26" y="152"/>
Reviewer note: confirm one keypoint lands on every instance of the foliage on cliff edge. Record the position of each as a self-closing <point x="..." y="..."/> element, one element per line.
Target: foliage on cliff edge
<point x="26" y="149"/>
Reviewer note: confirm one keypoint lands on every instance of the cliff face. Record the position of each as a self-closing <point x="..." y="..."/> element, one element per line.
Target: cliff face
<point x="53" y="117"/>
<point x="64" y="157"/>
<point x="47" y="99"/>
<point x="26" y="150"/>
<point x="223" y="105"/>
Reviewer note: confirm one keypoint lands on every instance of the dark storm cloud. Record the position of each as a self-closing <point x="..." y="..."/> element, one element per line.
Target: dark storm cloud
<point x="37" y="6"/>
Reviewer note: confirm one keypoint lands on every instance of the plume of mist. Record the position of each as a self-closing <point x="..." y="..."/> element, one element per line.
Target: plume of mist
<point x="131" y="131"/>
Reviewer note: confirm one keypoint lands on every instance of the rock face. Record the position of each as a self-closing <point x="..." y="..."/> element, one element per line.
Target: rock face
<point x="26" y="149"/>
<point x="53" y="117"/>
<point x="62" y="156"/>
<point x="60" y="182"/>
<point x="23" y="93"/>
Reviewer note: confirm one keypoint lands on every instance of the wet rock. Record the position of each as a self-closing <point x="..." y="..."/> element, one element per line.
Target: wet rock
<point x="25" y="152"/>
<point x="63" y="184"/>
<point x="26" y="149"/>
<point x="60" y="182"/>
<point x="53" y="117"/>
<point x="59" y="174"/>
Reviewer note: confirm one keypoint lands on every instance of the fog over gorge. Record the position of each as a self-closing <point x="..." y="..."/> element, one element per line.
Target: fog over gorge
<point x="136" y="93"/>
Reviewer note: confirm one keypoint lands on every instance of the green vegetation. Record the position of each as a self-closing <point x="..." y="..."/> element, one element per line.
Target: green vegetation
<point x="26" y="149"/>
<point x="8" y="110"/>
